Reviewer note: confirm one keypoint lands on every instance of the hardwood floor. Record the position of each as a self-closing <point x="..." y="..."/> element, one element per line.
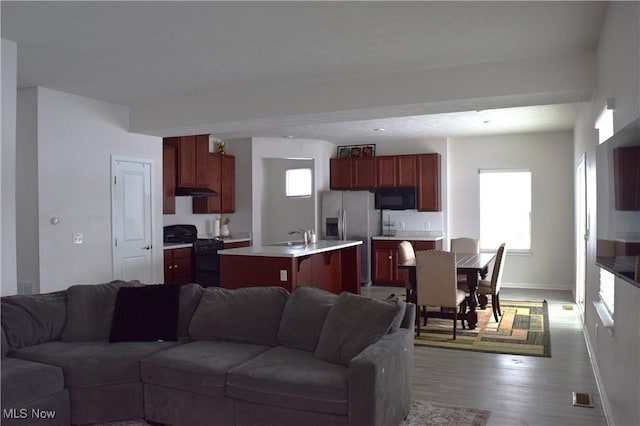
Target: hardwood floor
<point x="519" y="390"/>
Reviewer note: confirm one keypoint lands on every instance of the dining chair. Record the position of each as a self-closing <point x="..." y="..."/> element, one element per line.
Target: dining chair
<point x="437" y="287"/>
<point x="492" y="287"/>
<point x="464" y="245"/>
<point x="405" y="254"/>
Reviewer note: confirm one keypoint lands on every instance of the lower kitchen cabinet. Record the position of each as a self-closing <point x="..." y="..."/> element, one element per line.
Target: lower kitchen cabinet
<point x="237" y="244"/>
<point x="178" y="266"/>
<point x="384" y="262"/>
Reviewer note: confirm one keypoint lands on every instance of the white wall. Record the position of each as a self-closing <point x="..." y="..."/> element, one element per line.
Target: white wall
<point x="280" y="214"/>
<point x="76" y="138"/>
<point x="8" y="276"/>
<point x="549" y="156"/>
<point x="262" y="148"/>
<point x="615" y="356"/>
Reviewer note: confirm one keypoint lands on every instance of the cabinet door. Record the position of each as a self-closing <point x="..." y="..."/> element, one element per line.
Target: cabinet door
<point x="429" y="182"/>
<point x="626" y="165"/>
<point x="168" y="179"/>
<point x="382" y="264"/>
<point x="407" y="171"/>
<point x="364" y="173"/>
<point x="168" y="266"/>
<point x="387" y="172"/>
<point x="205" y="174"/>
<point x="186" y="161"/>
<point x="182" y="266"/>
<point x="228" y="183"/>
<point x="340" y="173"/>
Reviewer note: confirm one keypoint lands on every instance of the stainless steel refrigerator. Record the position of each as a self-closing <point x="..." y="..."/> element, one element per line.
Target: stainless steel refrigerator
<point x="351" y="215"/>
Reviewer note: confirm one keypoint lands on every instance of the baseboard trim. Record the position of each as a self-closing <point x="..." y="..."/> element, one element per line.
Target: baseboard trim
<point x="538" y="286"/>
<point x="606" y="407"/>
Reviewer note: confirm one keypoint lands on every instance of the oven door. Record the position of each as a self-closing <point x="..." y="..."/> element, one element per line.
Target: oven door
<point x="206" y="266"/>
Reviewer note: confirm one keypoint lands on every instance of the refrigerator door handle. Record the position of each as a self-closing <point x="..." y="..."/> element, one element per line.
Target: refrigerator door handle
<point x="344" y="224"/>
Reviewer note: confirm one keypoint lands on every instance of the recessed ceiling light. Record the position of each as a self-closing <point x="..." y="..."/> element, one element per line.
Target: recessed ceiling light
<point x="379" y="129"/>
<point x="487" y="121"/>
<point x="288" y="136"/>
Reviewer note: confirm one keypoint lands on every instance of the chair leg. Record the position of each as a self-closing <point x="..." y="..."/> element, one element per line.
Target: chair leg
<point x="482" y="301"/>
<point x="455" y="323"/>
<point x="498" y="303"/>
<point x="494" y="306"/>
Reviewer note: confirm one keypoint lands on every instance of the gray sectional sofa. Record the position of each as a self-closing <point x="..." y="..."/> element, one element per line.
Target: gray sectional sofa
<point x="252" y="356"/>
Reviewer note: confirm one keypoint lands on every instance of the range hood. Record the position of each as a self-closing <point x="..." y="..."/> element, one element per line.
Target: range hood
<point x="182" y="191"/>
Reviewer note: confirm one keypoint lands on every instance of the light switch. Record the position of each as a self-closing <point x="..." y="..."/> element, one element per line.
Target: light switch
<point x="78" y="238"/>
<point x="283" y="275"/>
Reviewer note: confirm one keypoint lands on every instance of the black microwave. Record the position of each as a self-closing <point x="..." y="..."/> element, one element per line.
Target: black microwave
<point x="396" y="199"/>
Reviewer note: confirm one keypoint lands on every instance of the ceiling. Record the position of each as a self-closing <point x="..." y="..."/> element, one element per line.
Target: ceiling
<point x="131" y="53"/>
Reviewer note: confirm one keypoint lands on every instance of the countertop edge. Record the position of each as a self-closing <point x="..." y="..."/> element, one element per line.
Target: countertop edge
<point x="280" y="251"/>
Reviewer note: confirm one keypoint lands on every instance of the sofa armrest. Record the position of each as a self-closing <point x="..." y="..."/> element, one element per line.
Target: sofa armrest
<point x="380" y="381"/>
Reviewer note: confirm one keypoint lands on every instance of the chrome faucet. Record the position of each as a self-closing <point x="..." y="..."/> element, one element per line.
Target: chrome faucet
<point x="303" y="234"/>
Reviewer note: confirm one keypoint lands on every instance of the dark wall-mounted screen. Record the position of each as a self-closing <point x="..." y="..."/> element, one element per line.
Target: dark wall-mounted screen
<point x="618" y="204"/>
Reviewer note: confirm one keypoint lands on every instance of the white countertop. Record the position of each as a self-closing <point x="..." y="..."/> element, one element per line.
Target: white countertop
<point x="232" y="239"/>
<point x="290" y="251"/>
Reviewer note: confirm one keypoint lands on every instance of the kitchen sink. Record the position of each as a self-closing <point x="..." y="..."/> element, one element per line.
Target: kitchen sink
<point x="289" y="244"/>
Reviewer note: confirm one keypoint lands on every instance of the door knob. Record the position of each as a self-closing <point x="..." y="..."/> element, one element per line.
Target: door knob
<point x="147" y="247"/>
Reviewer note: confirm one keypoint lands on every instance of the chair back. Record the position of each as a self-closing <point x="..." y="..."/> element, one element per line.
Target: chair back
<point x="465" y="245"/>
<point x="496" y="276"/>
<point x="436" y="278"/>
<point x="405" y="252"/>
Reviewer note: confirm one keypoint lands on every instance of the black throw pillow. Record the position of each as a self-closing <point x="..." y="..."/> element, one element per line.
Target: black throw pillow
<point x="145" y="314"/>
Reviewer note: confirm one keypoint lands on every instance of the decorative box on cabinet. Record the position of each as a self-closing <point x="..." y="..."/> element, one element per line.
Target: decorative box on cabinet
<point x="178" y="266"/>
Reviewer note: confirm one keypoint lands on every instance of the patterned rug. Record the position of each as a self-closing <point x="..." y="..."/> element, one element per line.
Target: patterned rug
<point x="422" y="414"/>
<point x="523" y="330"/>
<point x="435" y="414"/>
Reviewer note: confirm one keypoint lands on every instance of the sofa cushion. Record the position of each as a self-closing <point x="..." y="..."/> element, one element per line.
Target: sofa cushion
<point x="303" y="317"/>
<point x="291" y="378"/>
<point x="145" y="314"/>
<point x="353" y="323"/>
<point x="189" y="299"/>
<point x="5" y="345"/>
<point x="249" y="315"/>
<point x="90" y="311"/>
<point x="87" y="364"/>
<point x="24" y="381"/>
<point x="31" y="319"/>
<point x="198" y="367"/>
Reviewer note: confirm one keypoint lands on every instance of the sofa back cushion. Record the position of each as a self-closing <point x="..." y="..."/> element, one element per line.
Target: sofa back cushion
<point x="28" y="320"/>
<point x="5" y="345"/>
<point x="90" y="311"/>
<point x="303" y="317"/>
<point x="190" y="295"/>
<point x="248" y="315"/>
<point x="353" y="323"/>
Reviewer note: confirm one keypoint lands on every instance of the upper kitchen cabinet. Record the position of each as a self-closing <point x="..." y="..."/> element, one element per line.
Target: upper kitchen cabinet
<point x="190" y="163"/>
<point x="428" y="182"/>
<point x="353" y="173"/>
<point x="626" y="166"/>
<point x="395" y="171"/>
<point x="222" y="172"/>
<point x="168" y="179"/>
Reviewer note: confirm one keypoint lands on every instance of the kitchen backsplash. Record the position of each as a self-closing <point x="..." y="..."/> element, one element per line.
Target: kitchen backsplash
<point x="412" y="220"/>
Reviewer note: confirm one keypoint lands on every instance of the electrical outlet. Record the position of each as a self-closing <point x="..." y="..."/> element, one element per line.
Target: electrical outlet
<point x="283" y="275"/>
<point x="78" y="238"/>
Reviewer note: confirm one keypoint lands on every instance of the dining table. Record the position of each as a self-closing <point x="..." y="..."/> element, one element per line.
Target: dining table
<point x="471" y="265"/>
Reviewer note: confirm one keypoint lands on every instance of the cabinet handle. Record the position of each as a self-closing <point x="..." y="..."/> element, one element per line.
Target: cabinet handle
<point x="175" y="266"/>
<point x="170" y="266"/>
<point x="390" y="257"/>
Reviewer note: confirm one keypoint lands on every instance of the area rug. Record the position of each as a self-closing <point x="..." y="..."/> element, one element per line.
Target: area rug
<point x="523" y="330"/>
<point x="425" y="413"/>
<point x="422" y="413"/>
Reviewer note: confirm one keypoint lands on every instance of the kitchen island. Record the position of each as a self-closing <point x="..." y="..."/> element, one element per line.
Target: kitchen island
<point x="331" y="265"/>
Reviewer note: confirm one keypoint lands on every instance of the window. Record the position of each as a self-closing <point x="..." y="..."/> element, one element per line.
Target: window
<point x="505" y="209"/>
<point x="299" y="183"/>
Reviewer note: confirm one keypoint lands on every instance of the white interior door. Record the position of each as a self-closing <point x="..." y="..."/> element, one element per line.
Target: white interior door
<point x="582" y="233"/>
<point x="131" y="200"/>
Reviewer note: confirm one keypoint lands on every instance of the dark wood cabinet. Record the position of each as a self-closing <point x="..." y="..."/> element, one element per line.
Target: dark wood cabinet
<point x="168" y="179"/>
<point x="396" y="171"/>
<point x="428" y="182"/>
<point x="221" y="174"/>
<point x="353" y="173"/>
<point x="178" y="266"/>
<point x="237" y="244"/>
<point x="626" y="166"/>
<point x="385" y="255"/>
<point x="322" y="270"/>
<point x="185" y="159"/>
